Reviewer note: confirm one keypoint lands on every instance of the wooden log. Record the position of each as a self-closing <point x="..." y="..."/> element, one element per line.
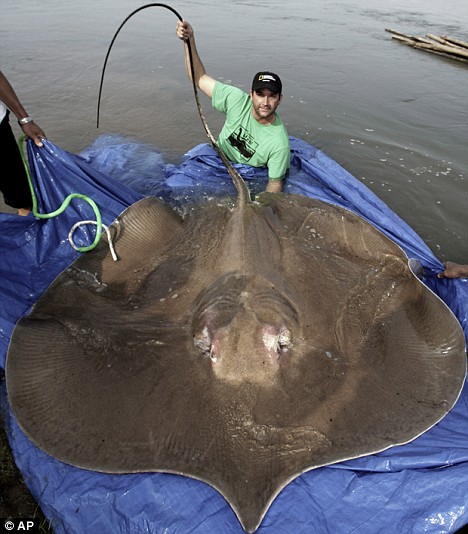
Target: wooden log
<point x="409" y="37"/>
<point x="444" y="41"/>
<point x="405" y="40"/>
<point x="444" y="54"/>
<point x="396" y="33"/>
<point x="430" y="46"/>
<point x="444" y="48"/>
<point x="435" y="38"/>
<point x="463" y="44"/>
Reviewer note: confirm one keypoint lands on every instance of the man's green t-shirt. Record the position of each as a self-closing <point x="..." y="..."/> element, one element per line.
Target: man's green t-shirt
<point x="244" y="140"/>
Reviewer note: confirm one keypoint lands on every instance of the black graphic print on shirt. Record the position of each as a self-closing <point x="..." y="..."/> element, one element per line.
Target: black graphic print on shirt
<point x="243" y="142"/>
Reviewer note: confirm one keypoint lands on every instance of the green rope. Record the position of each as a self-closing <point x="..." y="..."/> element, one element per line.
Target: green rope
<point x="64" y="205"/>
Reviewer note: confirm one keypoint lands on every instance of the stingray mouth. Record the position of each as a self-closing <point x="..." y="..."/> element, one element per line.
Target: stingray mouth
<point x="244" y="326"/>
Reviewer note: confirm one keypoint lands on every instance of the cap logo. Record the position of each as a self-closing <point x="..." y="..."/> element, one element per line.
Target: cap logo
<point x="266" y="77"/>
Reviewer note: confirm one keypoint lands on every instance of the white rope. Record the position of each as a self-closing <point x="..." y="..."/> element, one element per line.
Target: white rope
<point x="109" y="237"/>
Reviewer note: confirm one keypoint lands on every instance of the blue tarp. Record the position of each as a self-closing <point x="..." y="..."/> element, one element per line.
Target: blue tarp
<point x="418" y="487"/>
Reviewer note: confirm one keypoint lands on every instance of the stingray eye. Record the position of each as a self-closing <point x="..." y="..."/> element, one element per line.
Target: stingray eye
<point x="277" y="341"/>
<point x="204" y="342"/>
<point x="284" y="340"/>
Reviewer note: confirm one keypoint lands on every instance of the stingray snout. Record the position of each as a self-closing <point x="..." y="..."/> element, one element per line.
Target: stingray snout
<point x="245" y="349"/>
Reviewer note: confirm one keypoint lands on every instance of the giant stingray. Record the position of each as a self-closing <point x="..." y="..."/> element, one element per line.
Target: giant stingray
<point x="241" y="344"/>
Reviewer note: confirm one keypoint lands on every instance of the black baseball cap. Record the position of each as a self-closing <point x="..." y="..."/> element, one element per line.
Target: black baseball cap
<point x="267" y="80"/>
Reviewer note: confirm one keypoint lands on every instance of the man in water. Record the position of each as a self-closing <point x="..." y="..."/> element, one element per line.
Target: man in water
<point x="253" y="133"/>
<point x="14" y="183"/>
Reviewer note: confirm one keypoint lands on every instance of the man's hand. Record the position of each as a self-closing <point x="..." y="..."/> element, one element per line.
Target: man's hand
<point x="454" y="270"/>
<point x="274" y="186"/>
<point x="183" y="30"/>
<point x="34" y="132"/>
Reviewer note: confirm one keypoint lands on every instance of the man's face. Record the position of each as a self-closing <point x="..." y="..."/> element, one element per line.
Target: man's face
<point x="264" y="104"/>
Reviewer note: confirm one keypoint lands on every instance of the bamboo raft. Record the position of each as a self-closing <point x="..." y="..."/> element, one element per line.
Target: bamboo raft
<point x="443" y="45"/>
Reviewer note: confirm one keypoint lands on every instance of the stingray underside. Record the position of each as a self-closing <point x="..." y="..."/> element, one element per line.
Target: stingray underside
<point x="239" y="345"/>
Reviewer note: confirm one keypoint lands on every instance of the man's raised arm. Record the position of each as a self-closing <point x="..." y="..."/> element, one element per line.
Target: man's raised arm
<point x="204" y="82"/>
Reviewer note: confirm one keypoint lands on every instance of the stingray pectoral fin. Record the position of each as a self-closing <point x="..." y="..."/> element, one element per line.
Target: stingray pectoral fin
<point x="143" y="228"/>
<point x="348" y="234"/>
<point x="406" y="350"/>
<point x="330" y="227"/>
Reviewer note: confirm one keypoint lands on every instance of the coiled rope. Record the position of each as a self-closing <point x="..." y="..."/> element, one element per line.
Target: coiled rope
<point x="98" y="222"/>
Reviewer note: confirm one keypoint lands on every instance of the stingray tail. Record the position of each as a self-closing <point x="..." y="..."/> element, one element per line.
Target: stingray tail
<point x="243" y="192"/>
<point x="242" y="189"/>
